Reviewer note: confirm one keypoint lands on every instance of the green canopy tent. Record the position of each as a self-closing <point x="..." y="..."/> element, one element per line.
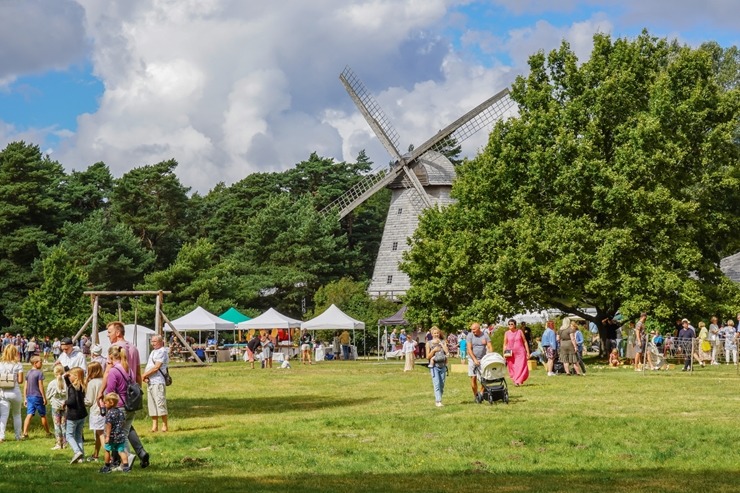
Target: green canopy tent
<point x="235" y="316"/>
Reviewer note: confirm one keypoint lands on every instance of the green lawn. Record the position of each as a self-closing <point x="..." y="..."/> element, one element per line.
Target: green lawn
<point x="367" y="426"/>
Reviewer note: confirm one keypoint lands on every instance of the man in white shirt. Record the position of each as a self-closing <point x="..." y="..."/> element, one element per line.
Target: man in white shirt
<point x="71" y="356"/>
<point x="156" y="368"/>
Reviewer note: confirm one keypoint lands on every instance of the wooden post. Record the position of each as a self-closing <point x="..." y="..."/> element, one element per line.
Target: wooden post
<point x="157" y="316"/>
<point x="182" y="339"/>
<point x="96" y="309"/>
<point x="84" y="326"/>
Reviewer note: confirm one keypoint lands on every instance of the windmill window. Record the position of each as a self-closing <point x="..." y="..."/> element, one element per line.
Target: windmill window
<point x="390" y="280"/>
<point x="395" y="246"/>
<point x="400" y="211"/>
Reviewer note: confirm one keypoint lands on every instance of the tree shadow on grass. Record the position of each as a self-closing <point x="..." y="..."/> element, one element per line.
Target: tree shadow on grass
<point x="199" y="407"/>
<point x="201" y="475"/>
<point x="479" y="478"/>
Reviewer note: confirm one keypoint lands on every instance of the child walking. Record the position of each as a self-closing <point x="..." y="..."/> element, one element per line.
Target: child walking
<point x="115" y="438"/>
<point x="34" y="396"/>
<point x="96" y="419"/>
<point x="56" y="393"/>
<point x="76" y="411"/>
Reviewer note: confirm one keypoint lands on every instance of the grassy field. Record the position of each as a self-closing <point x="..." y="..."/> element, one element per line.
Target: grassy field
<point x="367" y="426"/>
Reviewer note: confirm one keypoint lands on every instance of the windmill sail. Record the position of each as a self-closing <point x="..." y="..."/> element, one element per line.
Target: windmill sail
<point x="372" y="112"/>
<point x="481" y="116"/>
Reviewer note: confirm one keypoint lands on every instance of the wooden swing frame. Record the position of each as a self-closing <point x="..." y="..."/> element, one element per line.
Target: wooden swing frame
<point x="158" y="315"/>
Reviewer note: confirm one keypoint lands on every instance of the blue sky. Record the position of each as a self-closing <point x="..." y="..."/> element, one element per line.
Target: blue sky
<point x="228" y="88"/>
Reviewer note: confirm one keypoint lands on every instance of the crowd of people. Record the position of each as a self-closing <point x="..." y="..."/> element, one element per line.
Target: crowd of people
<point x="561" y="351"/>
<point x="86" y="387"/>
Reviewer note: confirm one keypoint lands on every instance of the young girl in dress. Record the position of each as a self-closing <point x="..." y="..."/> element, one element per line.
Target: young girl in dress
<point x="56" y="394"/>
<point x="97" y="421"/>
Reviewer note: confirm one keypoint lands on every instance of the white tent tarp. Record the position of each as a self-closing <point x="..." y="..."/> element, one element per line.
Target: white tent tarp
<point x="271" y="319"/>
<point x="200" y="320"/>
<point x="141" y="341"/>
<point x="333" y="319"/>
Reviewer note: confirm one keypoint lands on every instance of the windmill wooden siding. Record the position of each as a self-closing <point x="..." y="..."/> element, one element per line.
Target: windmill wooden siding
<point x="436" y="174"/>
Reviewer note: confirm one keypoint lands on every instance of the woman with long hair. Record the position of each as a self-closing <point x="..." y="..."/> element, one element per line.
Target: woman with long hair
<point x="76" y="412"/>
<point x="437" y="353"/>
<point x="97" y="419"/>
<point x="11" y="398"/>
<point x="516" y="351"/>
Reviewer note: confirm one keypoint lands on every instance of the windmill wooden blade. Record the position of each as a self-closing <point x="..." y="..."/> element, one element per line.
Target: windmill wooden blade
<point x="481" y="116"/>
<point x="363" y="190"/>
<point x="370" y="109"/>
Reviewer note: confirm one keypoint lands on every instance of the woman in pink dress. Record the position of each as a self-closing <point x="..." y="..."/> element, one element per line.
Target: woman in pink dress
<point x="516" y="352"/>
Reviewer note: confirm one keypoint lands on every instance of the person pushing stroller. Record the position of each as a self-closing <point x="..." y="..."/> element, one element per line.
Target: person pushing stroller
<point x="478" y="345"/>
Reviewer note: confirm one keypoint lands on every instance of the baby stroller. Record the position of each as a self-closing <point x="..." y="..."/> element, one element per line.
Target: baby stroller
<point x="491" y="373"/>
<point x="654" y="358"/>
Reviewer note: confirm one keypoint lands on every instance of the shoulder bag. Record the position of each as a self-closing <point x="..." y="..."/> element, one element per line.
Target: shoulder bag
<point x="167" y="377"/>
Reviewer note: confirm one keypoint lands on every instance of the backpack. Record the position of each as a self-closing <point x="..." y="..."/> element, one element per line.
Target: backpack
<point x="134" y="395"/>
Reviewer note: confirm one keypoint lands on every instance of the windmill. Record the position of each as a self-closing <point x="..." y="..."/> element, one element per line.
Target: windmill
<point x="419" y="179"/>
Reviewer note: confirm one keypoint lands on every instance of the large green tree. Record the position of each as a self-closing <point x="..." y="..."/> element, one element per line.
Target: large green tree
<point x="196" y="278"/>
<point x="614" y="188"/>
<point x="31" y="213"/>
<point x="87" y="191"/>
<point x="57" y="307"/>
<point x="109" y="252"/>
<point x="222" y="214"/>
<point x="154" y="204"/>
<point x="289" y="250"/>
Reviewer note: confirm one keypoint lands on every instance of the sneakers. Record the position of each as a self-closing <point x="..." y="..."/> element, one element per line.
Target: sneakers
<point x="551" y="373"/>
<point x="132" y="459"/>
<point x="77" y="458"/>
<point x="106" y="469"/>
<point x="438" y="404"/>
<point x="92" y="458"/>
<point x="57" y="447"/>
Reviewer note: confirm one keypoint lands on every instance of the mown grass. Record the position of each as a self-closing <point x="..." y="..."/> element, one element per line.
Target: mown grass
<point x="367" y="426"/>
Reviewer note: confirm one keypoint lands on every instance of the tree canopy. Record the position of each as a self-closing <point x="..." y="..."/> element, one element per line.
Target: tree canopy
<point x="614" y="188"/>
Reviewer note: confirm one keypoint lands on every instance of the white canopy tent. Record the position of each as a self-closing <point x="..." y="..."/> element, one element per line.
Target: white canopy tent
<point x="200" y="320"/>
<point x="334" y="319"/>
<point x="271" y="319"/>
<point x="138" y="335"/>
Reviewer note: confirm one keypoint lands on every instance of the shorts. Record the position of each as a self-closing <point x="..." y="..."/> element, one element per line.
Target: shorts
<point x="471" y="368"/>
<point x="35" y="404"/>
<point x="305" y="347"/>
<point x="115" y="447"/>
<point x="250" y="355"/>
<point x="157" y="400"/>
<point x="550" y="352"/>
